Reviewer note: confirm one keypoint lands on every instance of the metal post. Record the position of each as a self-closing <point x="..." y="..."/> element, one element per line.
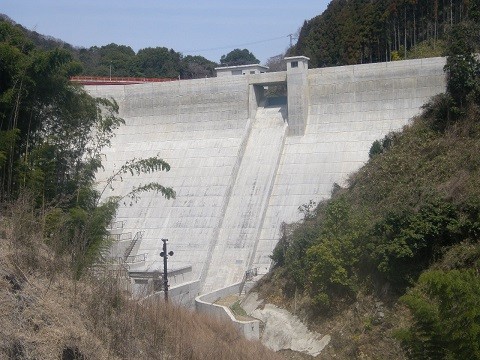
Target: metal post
<point x="165" y="255"/>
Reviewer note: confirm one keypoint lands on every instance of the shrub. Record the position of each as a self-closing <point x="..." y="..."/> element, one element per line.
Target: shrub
<point x="379" y="146"/>
<point x="446" y="311"/>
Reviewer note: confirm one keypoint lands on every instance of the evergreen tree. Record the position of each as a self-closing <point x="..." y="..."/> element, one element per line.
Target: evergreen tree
<point x="238" y="57"/>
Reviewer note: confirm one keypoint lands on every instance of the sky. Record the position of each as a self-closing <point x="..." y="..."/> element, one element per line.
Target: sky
<point x="210" y="28"/>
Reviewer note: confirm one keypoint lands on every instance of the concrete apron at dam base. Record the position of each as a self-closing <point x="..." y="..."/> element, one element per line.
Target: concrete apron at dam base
<point x="242" y="163"/>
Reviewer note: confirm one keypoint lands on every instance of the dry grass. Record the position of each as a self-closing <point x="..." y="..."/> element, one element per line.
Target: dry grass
<point x="45" y="314"/>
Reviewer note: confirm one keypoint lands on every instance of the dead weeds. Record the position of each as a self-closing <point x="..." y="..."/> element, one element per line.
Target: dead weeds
<point x="46" y="314"/>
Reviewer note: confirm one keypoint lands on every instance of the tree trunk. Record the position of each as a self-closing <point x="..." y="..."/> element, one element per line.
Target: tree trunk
<point x="451" y="12"/>
<point x="414" y="40"/>
<point x="435" y="24"/>
<point x="405" y="32"/>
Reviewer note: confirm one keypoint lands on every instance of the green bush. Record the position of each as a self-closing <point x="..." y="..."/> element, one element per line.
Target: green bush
<point x="446" y="310"/>
<point x="405" y="243"/>
<point x="380" y="146"/>
<point x="332" y="260"/>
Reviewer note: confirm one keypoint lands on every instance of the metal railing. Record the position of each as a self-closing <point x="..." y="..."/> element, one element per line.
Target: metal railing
<point x="122" y="237"/>
<point x="138" y="237"/>
<point x="92" y="80"/>
<point x="135" y="258"/>
<point x="116" y="225"/>
<point x="248" y="276"/>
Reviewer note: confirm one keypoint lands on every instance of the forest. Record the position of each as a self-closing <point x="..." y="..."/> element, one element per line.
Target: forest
<point x="363" y="31"/>
<point x="122" y="61"/>
<point x="347" y="32"/>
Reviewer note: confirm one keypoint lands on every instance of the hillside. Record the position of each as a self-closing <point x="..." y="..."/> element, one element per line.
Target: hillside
<point x="364" y="31"/>
<point x="393" y="259"/>
<point x="47" y="314"/>
<point x="121" y="60"/>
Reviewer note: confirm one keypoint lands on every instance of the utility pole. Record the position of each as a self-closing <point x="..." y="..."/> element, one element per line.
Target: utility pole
<point x="291" y="39"/>
<point x="165" y="255"/>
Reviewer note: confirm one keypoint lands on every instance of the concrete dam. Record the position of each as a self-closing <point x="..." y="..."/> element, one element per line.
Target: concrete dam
<point x="242" y="162"/>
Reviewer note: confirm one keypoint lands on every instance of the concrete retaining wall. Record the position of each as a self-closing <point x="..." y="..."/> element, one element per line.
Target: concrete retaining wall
<point x="204" y="304"/>
<point x="184" y="294"/>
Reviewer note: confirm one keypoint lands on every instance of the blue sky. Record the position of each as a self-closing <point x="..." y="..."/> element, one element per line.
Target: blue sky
<point x="208" y="28"/>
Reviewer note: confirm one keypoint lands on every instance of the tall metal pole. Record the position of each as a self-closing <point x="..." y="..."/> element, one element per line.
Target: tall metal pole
<point x="165" y="255"/>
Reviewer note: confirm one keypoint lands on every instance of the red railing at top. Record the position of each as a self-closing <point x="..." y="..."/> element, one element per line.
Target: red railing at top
<point x="106" y="80"/>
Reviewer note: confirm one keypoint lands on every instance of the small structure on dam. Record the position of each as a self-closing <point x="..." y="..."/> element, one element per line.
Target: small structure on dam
<point x="251" y="69"/>
<point x="242" y="162"/>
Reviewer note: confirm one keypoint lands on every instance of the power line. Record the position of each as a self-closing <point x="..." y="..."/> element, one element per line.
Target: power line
<point x="234" y="46"/>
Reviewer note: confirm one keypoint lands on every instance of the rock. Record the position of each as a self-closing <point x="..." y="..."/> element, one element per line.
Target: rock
<point x="284" y="330"/>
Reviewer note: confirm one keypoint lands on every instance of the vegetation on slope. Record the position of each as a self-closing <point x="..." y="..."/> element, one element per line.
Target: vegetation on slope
<point x="408" y="224"/>
<point x="122" y="61"/>
<point x="363" y="31"/>
<point x="46" y="313"/>
<point x="51" y="138"/>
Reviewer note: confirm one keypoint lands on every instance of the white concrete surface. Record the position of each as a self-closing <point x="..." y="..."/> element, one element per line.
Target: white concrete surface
<point x="243" y="216"/>
<point x="237" y="178"/>
<point x="198" y="127"/>
<point x="205" y="305"/>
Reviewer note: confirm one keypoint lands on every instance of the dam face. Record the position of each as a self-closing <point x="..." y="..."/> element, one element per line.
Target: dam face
<point x="242" y="164"/>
